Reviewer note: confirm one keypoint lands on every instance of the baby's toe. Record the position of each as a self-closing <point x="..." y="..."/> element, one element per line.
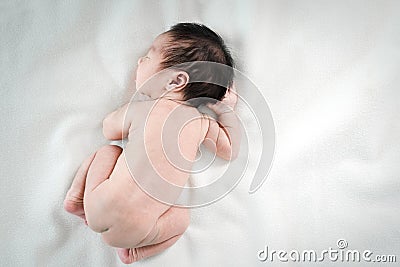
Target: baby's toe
<point x="126" y="255"/>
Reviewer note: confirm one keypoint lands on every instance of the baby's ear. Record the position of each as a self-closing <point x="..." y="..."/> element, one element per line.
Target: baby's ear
<point x="178" y="81"/>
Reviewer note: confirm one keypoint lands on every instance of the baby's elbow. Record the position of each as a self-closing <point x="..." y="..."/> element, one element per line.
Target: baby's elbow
<point x="107" y="134"/>
<point x="108" y="131"/>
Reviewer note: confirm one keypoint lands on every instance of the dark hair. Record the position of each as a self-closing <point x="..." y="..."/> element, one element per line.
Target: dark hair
<point x="189" y="42"/>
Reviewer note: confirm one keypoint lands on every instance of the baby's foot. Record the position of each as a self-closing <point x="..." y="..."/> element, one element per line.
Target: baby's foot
<point x="128" y="255"/>
<point x="73" y="202"/>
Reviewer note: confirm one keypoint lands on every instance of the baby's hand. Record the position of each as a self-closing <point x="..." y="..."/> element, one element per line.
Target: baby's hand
<point x="227" y="104"/>
<point x="224" y="133"/>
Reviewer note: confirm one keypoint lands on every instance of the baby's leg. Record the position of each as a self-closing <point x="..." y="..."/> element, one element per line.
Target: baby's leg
<point x="102" y="166"/>
<point x="73" y="202"/>
<point x="100" y="170"/>
<point x="168" y="229"/>
<point x="99" y="165"/>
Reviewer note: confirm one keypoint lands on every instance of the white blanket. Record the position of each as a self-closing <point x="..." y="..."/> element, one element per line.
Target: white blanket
<point x="329" y="71"/>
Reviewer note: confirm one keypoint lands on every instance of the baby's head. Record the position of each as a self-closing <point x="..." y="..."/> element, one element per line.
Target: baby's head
<point x="188" y="42"/>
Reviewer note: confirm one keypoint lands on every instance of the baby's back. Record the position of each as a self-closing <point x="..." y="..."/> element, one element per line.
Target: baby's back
<point x="162" y="144"/>
<point x="163" y="141"/>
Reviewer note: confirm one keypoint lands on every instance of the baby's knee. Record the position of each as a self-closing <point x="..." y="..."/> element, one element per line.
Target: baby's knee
<point x="96" y="219"/>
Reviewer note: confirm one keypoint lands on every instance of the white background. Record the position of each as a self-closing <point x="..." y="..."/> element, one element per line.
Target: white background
<point x="329" y="71"/>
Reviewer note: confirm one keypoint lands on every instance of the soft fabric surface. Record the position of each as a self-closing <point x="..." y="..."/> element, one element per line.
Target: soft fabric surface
<point x="329" y="71"/>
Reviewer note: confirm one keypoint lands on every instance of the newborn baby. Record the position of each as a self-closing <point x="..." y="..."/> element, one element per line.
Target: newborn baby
<point x="105" y="194"/>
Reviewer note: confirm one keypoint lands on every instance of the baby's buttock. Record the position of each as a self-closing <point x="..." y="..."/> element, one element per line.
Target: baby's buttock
<point x="125" y="208"/>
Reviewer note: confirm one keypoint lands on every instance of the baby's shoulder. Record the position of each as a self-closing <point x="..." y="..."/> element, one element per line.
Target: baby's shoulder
<point x="166" y="116"/>
<point x="178" y="114"/>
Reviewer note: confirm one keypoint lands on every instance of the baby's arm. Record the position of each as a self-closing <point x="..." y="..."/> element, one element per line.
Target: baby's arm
<point x="115" y="126"/>
<point x="223" y="136"/>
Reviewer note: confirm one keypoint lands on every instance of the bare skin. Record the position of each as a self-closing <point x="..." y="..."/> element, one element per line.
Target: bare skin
<point x="105" y="195"/>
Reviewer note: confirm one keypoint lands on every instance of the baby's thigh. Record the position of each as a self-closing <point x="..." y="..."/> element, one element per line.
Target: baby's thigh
<point x="95" y="200"/>
<point x="102" y="166"/>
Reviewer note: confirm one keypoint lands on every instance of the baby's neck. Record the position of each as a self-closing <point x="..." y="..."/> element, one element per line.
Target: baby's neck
<point x="171" y="95"/>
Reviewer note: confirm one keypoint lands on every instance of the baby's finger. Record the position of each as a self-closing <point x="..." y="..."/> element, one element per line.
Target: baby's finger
<point x="213" y="107"/>
<point x="232" y="92"/>
<point x="217" y="108"/>
<point x="233" y="87"/>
